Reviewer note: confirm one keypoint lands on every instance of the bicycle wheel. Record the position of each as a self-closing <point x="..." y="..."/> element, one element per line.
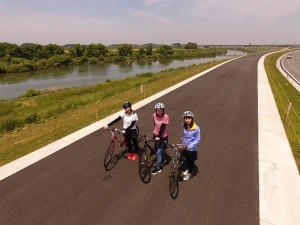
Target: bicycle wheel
<point x="144" y="170"/>
<point x="109" y="153"/>
<point x="174" y="178"/>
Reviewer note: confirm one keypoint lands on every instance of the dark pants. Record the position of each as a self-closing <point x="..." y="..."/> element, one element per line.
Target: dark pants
<point x="190" y="165"/>
<point x="190" y="157"/>
<point x="129" y="137"/>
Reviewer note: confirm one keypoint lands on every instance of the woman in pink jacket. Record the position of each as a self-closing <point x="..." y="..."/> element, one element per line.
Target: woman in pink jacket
<point x="160" y="134"/>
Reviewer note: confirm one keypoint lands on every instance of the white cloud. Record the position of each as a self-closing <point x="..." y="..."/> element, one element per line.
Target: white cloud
<point x="150" y="2"/>
<point x="55" y="28"/>
<point x="162" y="21"/>
<point x="150" y="16"/>
<point x="254" y="13"/>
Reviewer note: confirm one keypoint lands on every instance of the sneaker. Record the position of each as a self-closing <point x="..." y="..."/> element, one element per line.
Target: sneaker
<point x="129" y="155"/>
<point x="163" y="162"/>
<point x="187" y="176"/>
<point x="134" y="157"/>
<point x="156" y="170"/>
<point x="185" y="172"/>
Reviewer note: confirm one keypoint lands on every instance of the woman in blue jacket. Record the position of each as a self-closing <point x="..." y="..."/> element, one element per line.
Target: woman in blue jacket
<point x="190" y="139"/>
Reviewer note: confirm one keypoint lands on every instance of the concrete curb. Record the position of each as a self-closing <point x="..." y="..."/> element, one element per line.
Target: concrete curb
<point x="279" y="181"/>
<point x="25" y="161"/>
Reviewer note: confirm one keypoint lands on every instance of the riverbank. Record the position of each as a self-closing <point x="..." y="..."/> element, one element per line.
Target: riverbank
<point x="16" y="85"/>
<point x="90" y="104"/>
<point x="56" y="115"/>
<point x="33" y="57"/>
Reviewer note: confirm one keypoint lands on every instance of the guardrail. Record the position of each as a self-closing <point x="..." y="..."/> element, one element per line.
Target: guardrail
<point x="287" y="72"/>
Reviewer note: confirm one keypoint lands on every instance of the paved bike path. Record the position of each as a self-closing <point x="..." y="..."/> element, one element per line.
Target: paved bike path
<point x="72" y="187"/>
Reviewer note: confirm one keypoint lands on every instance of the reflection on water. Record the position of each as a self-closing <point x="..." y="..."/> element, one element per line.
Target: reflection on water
<point x="14" y="85"/>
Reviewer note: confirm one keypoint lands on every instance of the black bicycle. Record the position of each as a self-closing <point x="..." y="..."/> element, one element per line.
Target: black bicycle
<point x="146" y="152"/>
<point x="175" y="169"/>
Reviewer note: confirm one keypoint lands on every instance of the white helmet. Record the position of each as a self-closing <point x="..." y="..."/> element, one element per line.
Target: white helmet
<point x="188" y="113"/>
<point x="159" y="106"/>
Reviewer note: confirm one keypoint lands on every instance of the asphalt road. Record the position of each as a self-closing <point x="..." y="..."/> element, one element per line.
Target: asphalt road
<point x="72" y="187"/>
<point x="293" y="65"/>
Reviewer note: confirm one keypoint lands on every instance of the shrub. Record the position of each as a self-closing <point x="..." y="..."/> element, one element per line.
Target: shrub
<point x="9" y="124"/>
<point x="3" y="69"/>
<point x="93" y="60"/>
<point x="33" y="118"/>
<point x="32" y="92"/>
<point x="149" y="74"/>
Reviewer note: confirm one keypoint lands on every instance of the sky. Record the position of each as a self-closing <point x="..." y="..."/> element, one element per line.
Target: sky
<point x="205" y="22"/>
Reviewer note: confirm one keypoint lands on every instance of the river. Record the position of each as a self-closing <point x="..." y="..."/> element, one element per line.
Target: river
<point x="14" y="85"/>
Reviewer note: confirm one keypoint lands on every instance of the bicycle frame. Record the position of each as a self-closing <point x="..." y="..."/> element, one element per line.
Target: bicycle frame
<point x="111" y="148"/>
<point x="175" y="169"/>
<point x="144" y="168"/>
<point x="114" y="136"/>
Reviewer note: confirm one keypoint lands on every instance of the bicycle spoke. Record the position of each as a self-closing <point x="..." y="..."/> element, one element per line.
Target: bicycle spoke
<point x="109" y="154"/>
<point x="173" y="179"/>
<point x="144" y="171"/>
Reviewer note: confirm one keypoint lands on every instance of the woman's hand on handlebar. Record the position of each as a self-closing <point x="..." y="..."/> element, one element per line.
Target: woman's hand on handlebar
<point x="105" y="127"/>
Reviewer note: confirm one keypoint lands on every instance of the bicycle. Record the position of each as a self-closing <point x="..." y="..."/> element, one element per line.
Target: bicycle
<point x="144" y="168"/>
<point x="175" y="169"/>
<point x="111" y="148"/>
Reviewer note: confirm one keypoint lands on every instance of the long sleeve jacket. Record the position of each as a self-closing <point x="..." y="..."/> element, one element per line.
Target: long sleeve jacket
<point x="191" y="137"/>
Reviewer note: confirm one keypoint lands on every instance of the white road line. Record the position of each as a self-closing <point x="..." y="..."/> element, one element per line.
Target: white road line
<point x="279" y="181"/>
<point x="25" y="161"/>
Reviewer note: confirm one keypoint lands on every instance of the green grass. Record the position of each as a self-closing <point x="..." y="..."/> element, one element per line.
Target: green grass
<point x="284" y="93"/>
<point x="66" y="111"/>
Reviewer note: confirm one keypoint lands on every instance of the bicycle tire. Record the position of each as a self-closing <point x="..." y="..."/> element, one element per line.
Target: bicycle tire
<point x="173" y="179"/>
<point x="109" y="154"/>
<point x="144" y="170"/>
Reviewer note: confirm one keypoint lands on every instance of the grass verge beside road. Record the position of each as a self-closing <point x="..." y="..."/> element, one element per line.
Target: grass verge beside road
<point x="285" y="95"/>
<point x="99" y="101"/>
<point x="76" y="108"/>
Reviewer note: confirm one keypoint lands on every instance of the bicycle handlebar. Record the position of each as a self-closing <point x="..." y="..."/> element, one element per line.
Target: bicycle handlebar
<point x="114" y="130"/>
<point x="144" y="138"/>
<point x="178" y="146"/>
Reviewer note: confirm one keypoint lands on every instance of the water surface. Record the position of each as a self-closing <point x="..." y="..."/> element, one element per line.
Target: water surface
<point x="14" y="85"/>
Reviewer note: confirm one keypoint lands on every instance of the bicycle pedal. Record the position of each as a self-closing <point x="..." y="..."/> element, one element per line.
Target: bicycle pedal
<point x="122" y="143"/>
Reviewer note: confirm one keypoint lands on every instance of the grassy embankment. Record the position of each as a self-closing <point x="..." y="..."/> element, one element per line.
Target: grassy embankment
<point x="284" y="93"/>
<point x="66" y="111"/>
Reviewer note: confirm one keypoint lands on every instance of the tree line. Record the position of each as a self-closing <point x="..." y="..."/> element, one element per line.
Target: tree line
<point x="30" y="57"/>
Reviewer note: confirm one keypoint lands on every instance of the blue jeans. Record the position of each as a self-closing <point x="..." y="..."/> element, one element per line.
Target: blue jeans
<point x="161" y="147"/>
